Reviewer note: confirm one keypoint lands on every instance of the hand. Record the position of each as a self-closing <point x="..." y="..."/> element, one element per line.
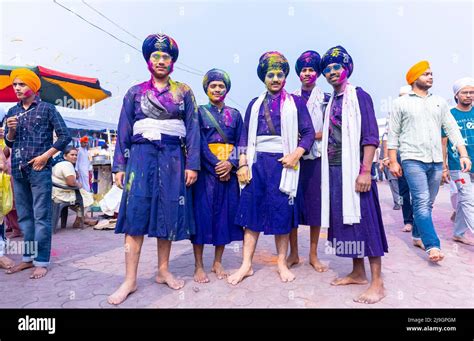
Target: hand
<point x="290" y="160"/>
<point x="243" y="175"/>
<point x="2" y="133"/>
<point x="319" y="135"/>
<point x="223" y="168"/>
<point x="445" y="178"/>
<point x="363" y="182"/>
<point x="119" y="176"/>
<point x="386" y="163"/>
<point x="381" y="165"/>
<point x="190" y="176"/>
<point x="12" y="122"/>
<point x="39" y="162"/>
<point x="225" y="177"/>
<point x="396" y="169"/>
<point x="466" y="164"/>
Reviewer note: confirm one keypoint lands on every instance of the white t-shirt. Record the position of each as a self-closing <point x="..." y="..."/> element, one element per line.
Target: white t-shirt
<point x="60" y="172"/>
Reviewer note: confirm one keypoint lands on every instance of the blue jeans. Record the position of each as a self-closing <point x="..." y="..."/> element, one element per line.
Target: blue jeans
<point x="34" y="208"/>
<point x="424" y="180"/>
<point x="404" y="192"/>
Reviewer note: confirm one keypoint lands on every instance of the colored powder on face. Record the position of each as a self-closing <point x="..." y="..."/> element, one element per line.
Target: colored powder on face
<point x="29" y="93"/>
<point x="343" y="76"/>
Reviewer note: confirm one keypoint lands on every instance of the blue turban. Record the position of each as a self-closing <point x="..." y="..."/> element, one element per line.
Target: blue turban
<point x="270" y="61"/>
<point x="160" y="42"/>
<point x="308" y="59"/>
<point x="338" y="55"/>
<point x="216" y="75"/>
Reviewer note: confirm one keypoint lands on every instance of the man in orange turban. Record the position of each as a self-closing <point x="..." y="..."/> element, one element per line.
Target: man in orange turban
<point x="25" y="77"/>
<point x="31" y="124"/>
<point x="416" y="71"/>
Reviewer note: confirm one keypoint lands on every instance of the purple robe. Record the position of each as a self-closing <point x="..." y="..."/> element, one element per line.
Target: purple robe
<point x="263" y="207"/>
<point x="366" y="239"/>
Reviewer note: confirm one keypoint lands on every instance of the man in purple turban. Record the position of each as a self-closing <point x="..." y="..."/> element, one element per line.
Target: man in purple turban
<point x="307" y="69"/>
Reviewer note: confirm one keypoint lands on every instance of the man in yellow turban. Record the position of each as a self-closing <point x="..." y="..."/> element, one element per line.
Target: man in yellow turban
<point x="416" y="71"/>
<point x="29" y="133"/>
<point x="416" y="120"/>
<point x="22" y="78"/>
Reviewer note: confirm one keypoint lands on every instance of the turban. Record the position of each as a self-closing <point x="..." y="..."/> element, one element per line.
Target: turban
<point x="308" y="59"/>
<point x="160" y="42"/>
<point x="416" y="71"/>
<point x="28" y="77"/>
<point x="216" y="75"/>
<point x="84" y="139"/>
<point x="338" y="55"/>
<point x="271" y="61"/>
<point x="461" y="83"/>
<point x="404" y="89"/>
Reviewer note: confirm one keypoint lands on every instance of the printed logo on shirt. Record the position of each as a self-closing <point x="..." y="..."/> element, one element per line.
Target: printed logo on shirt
<point x="470" y="125"/>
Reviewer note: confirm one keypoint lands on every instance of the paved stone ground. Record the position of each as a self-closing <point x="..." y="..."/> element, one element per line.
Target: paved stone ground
<point x="88" y="265"/>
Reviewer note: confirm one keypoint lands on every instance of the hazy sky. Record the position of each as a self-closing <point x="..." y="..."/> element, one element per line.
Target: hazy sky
<point x="384" y="39"/>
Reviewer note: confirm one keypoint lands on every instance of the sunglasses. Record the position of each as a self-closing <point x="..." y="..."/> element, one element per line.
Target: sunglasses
<point x="335" y="67"/>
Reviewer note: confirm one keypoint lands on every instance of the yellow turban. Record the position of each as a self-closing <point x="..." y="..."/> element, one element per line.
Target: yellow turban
<point x="28" y="77"/>
<point x="416" y="71"/>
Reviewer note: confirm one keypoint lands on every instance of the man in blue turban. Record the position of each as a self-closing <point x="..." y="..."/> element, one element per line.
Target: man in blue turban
<point x="216" y="75"/>
<point x="156" y="160"/>
<point x="160" y="42"/>
<point x="277" y="132"/>
<point x="337" y="55"/>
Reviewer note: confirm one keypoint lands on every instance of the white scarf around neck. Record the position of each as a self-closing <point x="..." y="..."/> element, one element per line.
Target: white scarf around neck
<point x="289" y="134"/>
<point x="314" y="105"/>
<point x="351" y="133"/>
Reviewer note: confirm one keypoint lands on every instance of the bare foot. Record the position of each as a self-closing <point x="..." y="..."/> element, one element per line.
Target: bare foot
<point x="407" y="228"/>
<point x="285" y="274"/>
<point x="372" y="295"/>
<point x="317" y="265"/>
<point x="418" y="243"/>
<point x="165" y="277"/>
<point x="292" y="260"/>
<point x="350" y="279"/>
<point x="218" y="269"/>
<point x="122" y="293"/>
<point x="200" y="275"/>
<point x="238" y="276"/>
<point x="6" y="263"/>
<point x="39" y="272"/>
<point x="20" y="267"/>
<point x="436" y="255"/>
<point x="463" y="240"/>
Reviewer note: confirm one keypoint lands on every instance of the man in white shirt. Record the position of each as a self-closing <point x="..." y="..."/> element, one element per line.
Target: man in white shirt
<point x="415" y="125"/>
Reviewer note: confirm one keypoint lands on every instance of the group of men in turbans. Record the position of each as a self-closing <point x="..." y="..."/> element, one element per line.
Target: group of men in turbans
<point x="208" y="174"/>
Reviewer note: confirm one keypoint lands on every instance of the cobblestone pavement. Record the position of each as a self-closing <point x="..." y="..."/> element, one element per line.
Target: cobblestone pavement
<point x="87" y="265"/>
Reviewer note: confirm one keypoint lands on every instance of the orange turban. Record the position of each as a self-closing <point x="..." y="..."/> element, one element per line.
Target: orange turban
<point x="416" y="71"/>
<point x="28" y="77"/>
<point x="84" y="139"/>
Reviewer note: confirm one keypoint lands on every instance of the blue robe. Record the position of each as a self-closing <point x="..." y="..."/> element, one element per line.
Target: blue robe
<point x="156" y="201"/>
<point x="215" y="201"/>
<point x="263" y="207"/>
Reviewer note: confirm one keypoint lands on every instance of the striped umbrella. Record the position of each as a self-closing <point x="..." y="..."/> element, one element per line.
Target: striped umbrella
<point x="58" y="88"/>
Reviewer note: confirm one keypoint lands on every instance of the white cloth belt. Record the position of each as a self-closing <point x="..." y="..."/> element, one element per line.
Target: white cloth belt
<point x="152" y="129"/>
<point x="269" y="144"/>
